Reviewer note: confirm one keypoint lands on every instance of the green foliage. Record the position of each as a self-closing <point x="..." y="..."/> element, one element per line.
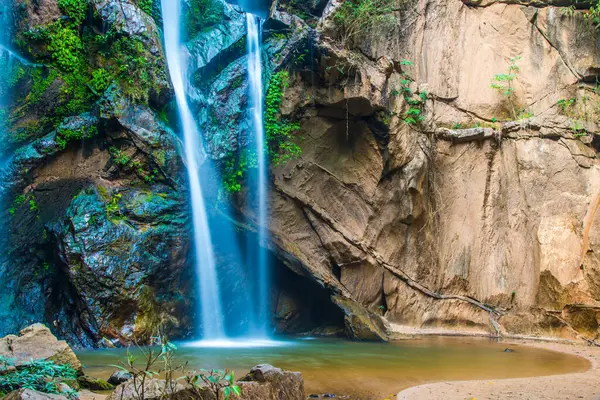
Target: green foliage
<point x="131" y="65"/>
<point x="101" y="80"/>
<point x="20" y="199"/>
<point x="159" y="360"/>
<point x="234" y="170"/>
<point x="593" y="14"/>
<point x="146" y="6"/>
<point x="74" y="9"/>
<point x="202" y="14"/>
<point x="415" y="101"/>
<point x="504" y="84"/>
<point x="280" y="132"/>
<point x="66" y="48"/>
<point x="216" y="380"/>
<point x="39" y="375"/>
<point x="357" y="18"/>
<point x="113" y="210"/>
<point x="66" y="135"/>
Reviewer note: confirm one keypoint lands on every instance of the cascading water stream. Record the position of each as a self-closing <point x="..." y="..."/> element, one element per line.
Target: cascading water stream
<point x="260" y="181"/>
<point x="210" y="302"/>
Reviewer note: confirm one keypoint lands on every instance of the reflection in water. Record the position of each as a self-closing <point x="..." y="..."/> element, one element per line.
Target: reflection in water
<point x="370" y="370"/>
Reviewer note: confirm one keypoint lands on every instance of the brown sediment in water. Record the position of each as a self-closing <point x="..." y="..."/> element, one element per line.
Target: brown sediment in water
<point x="365" y="371"/>
<point x="577" y="385"/>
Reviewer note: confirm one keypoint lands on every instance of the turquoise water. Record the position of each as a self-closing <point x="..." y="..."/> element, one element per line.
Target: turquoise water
<point x="368" y="370"/>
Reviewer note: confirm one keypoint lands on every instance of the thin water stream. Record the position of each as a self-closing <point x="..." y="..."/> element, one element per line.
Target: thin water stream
<point x="260" y="177"/>
<point x="210" y="302"/>
<point x="367" y="371"/>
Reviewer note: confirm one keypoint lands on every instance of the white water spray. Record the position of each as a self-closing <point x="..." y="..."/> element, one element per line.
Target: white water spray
<point x="210" y="302"/>
<point x="257" y="110"/>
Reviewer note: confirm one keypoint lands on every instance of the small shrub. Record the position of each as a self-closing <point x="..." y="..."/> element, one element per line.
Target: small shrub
<point x="504" y="84"/>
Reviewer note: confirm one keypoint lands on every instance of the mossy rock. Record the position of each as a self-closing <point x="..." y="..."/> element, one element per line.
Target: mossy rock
<point x="87" y="382"/>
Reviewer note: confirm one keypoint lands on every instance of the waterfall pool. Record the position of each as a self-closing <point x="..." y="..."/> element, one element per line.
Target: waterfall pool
<point x="365" y="371"/>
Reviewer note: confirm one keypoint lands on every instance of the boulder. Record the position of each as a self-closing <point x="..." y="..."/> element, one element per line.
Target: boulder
<point x="119" y="377"/>
<point x="265" y="382"/>
<point x="28" y="394"/>
<point x="155" y="389"/>
<point x="37" y="342"/>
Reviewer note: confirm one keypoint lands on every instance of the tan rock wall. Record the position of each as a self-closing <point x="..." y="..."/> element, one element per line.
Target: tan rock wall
<point x="413" y="227"/>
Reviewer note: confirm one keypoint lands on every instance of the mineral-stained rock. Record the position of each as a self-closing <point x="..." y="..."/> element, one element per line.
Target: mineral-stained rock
<point x="37" y="342"/>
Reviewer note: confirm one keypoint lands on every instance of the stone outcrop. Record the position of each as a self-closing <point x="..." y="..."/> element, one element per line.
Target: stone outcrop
<point x="36" y="342"/>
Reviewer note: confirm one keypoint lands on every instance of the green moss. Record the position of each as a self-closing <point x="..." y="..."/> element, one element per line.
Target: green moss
<point x="280" y="132"/>
<point x="202" y="14"/>
<point x="113" y="210"/>
<point x="74" y="9"/>
<point x="87" y="382"/>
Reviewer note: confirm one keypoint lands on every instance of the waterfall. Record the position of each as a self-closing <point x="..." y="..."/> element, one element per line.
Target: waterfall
<point x="260" y="182"/>
<point x="210" y="302"/>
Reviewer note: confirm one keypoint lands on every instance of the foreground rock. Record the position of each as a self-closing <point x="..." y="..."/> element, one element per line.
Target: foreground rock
<point x="36" y="342"/>
<point x="119" y="377"/>
<point x="264" y="382"/>
<point x="28" y="394"/>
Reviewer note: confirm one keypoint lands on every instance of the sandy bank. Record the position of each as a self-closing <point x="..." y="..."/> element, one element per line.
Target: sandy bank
<point x="584" y="385"/>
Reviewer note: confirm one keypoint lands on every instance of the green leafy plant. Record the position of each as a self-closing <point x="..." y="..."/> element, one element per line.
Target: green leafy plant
<point x="504" y="84"/>
<point x="146" y="6"/>
<point x="41" y="375"/>
<point x="66" y="48"/>
<point x="74" y="9"/>
<point x="415" y="101"/>
<point x="217" y="381"/>
<point x="160" y="360"/>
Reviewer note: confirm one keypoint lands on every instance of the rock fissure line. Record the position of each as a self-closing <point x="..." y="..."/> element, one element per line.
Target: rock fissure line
<point x="412" y="283"/>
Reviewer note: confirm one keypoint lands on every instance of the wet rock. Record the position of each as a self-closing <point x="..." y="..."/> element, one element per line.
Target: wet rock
<point x="37" y="342"/>
<point x="119" y="377"/>
<point x="507" y="350"/>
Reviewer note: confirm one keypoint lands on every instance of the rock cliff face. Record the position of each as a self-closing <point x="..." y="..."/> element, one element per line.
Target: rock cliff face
<point x="494" y="228"/>
<point x="423" y="197"/>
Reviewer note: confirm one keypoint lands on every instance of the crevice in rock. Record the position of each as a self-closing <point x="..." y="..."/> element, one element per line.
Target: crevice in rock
<point x="397" y="272"/>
